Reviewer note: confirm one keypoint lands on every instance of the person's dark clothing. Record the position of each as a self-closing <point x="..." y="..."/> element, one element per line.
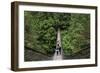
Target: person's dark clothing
<point x="57" y="50"/>
<point x="60" y="50"/>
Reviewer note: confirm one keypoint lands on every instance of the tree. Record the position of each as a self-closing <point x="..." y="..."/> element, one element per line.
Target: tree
<point x="78" y="35"/>
<point x="40" y="29"/>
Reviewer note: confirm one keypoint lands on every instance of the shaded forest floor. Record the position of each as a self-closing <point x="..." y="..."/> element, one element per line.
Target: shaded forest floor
<point x="33" y="55"/>
<point x="83" y="54"/>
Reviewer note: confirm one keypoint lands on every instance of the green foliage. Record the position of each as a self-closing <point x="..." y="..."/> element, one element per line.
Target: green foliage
<point x="41" y="31"/>
<point x="77" y="37"/>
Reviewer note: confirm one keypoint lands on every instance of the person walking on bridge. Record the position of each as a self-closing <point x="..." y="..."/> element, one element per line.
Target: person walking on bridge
<point x="58" y="49"/>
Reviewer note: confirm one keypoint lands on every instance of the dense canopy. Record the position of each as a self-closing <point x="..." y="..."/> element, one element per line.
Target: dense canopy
<point x="41" y="31"/>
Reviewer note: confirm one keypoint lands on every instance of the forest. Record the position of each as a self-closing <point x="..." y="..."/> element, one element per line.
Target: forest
<point x="40" y="34"/>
